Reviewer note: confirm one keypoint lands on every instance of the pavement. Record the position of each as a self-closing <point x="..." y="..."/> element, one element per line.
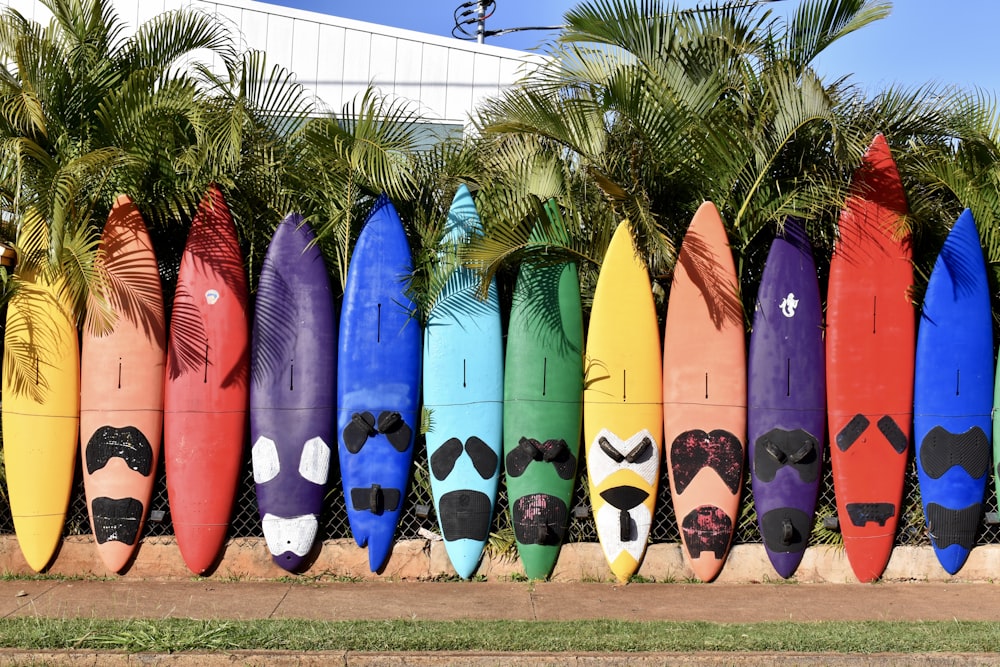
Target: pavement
<point x="208" y="599"/>
<point x="537" y="601"/>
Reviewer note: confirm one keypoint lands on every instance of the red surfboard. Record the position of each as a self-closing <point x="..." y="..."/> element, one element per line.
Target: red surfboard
<point x="206" y="390"/>
<point x="870" y="344"/>
<point x="121" y="388"/>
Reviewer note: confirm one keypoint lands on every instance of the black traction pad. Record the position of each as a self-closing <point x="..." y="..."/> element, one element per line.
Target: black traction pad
<point x="375" y="499"/>
<point x="483" y="458"/>
<point x="624" y="498"/>
<point x="852" y="431"/>
<point x="786" y="530"/>
<point x="947" y="526"/>
<point x="638" y="454"/>
<point x="540" y="519"/>
<point x="127" y="443"/>
<point x="520" y="457"/>
<point x="778" y="448"/>
<point x="895" y="435"/>
<point x="693" y="450"/>
<point x="444" y="458"/>
<point x="864" y="513"/>
<point x="116" y="519"/>
<point x="357" y="432"/>
<point x="707" y="528"/>
<point x="389" y="423"/>
<point x="465" y="514"/>
<point x="395" y="430"/>
<point x="553" y="451"/>
<point x="942" y="450"/>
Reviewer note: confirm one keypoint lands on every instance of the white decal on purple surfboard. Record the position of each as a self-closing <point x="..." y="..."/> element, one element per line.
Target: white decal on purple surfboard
<point x="264" y="456"/>
<point x="294" y="534"/>
<point x="314" y="464"/>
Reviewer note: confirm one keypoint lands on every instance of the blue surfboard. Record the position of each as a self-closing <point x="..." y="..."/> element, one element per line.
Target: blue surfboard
<point x="953" y="395"/>
<point x="378" y="382"/>
<point x="463" y="394"/>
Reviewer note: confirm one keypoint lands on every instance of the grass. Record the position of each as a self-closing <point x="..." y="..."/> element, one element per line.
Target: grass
<point x="179" y="635"/>
<point x="7" y="575"/>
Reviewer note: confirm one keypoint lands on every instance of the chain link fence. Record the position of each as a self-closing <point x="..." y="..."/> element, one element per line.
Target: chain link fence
<point x="333" y="523"/>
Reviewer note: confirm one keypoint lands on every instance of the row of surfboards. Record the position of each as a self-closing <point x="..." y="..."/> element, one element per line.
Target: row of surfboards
<point x="519" y="409"/>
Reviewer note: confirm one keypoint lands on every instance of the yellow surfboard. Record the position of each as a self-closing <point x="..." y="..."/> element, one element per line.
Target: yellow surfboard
<point x="41" y="414"/>
<point x="622" y="409"/>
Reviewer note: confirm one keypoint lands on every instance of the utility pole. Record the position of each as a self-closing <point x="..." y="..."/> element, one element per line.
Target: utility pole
<point x="481" y="29"/>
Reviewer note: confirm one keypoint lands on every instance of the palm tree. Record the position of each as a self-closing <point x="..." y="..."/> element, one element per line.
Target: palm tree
<point x="344" y="161"/>
<point x="86" y="112"/>
<point x="663" y="108"/>
<point x="253" y="118"/>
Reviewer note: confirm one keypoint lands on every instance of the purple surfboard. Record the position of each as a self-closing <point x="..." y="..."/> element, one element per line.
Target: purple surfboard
<point x="292" y="391"/>
<point x="787" y="399"/>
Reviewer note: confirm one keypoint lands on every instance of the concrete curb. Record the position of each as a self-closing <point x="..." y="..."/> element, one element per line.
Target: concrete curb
<point x="249" y="559"/>
<point x="484" y="659"/>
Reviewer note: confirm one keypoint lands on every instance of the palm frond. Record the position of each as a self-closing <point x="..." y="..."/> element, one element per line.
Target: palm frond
<point x="161" y="42"/>
<point x="816" y="24"/>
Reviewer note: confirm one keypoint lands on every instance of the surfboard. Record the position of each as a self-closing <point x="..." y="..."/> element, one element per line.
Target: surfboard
<point x="292" y="393"/>
<point x="206" y="389"/>
<point x="378" y="382"/>
<point x="786" y="395"/>
<point x="463" y="394"/>
<point x="705" y="393"/>
<point x="953" y="395"/>
<point x="622" y="409"/>
<point x="543" y="408"/>
<point x="41" y="413"/>
<point x="121" y="388"/>
<point x="870" y="339"/>
<point x="996" y="430"/>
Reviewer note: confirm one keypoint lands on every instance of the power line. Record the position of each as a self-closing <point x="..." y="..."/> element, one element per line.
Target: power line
<point x="475" y="13"/>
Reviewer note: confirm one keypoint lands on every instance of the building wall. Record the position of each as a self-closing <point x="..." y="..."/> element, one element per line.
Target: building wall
<point x="336" y="58"/>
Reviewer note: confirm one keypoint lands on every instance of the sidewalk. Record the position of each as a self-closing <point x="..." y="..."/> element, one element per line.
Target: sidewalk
<point x="443" y="601"/>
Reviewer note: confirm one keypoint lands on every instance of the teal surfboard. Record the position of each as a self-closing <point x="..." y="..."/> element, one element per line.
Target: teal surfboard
<point x="463" y="395"/>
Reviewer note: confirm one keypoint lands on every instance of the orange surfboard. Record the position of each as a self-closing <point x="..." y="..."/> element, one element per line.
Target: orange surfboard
<point x="705" y="393"/>
<point x="207" y="390"/>
<point x="870" y="348"/>
<point x="121" y="388"/>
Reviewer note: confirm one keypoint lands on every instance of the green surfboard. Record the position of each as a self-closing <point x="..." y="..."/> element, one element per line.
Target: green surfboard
<point x="543" y="389"/>
<point x="996" y="430"/>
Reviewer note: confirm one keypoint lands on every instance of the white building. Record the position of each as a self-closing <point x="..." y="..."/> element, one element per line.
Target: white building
<point x="335" y="58"/>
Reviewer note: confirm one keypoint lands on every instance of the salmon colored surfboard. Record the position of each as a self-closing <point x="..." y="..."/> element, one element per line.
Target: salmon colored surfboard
<point x="41" y="413"/>
<point x="870" y="343"/>
<point x="121" y="388"/>
<point x="705" y="393"/>
<point x="206" y="391"/>
<point x="622" y="412"/>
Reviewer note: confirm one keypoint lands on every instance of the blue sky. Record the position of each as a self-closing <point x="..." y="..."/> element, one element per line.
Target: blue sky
<point x="922" y="41"/>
